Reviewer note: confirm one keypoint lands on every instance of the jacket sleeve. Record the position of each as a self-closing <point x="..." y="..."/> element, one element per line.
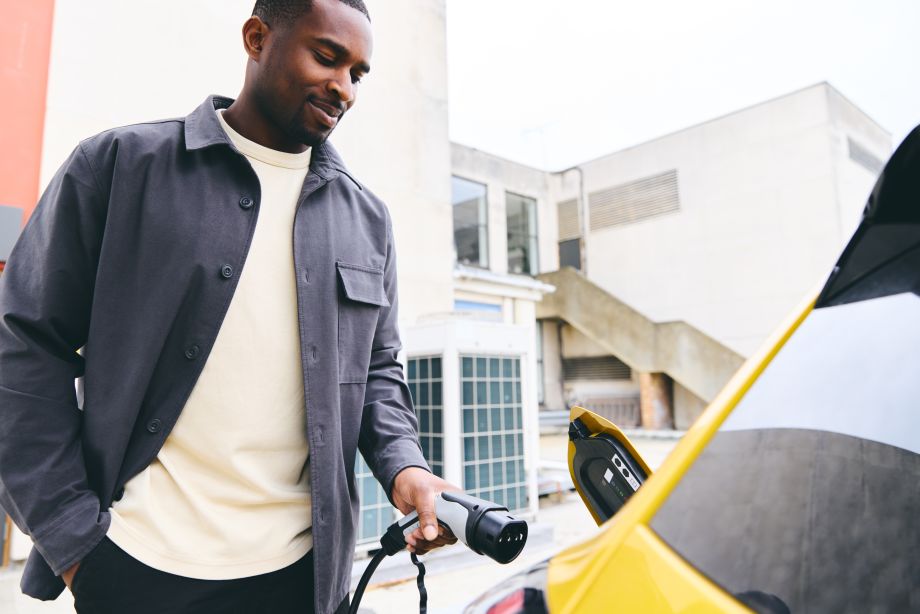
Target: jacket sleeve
<point x="389" y="429"/>
<point x="45" y="298"/>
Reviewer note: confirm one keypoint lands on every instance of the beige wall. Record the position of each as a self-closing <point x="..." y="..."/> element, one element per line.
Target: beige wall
<point x="115" y="62"/>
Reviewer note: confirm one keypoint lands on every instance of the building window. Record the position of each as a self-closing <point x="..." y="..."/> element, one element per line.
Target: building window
<point x="376" y="513"/>
<point x="471" y="222"/>
<point x="570" y="253"/>
<point x="522" y="234"/>
<point x="493" y="430"/>
<point x="426" y="387"/>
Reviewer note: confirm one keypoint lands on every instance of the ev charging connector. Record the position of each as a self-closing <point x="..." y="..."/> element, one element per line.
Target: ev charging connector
<point x="484" y="527"/>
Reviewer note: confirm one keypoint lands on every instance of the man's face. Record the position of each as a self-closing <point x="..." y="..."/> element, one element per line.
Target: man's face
<point x="309" y="70"/>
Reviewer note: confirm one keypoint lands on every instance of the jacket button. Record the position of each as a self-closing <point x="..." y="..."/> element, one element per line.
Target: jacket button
<point x="246" y="202"/>
<point x="119" y="494"/>
<point x="192" y="352"/>
<point x="226" y="271"/>
<point x="153" y="426"/>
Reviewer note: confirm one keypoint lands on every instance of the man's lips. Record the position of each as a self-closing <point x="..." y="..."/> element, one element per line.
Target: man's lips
<point x="327" y="113"/>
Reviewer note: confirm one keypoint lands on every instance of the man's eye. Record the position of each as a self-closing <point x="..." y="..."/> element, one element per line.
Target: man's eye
<point x="324" y="60"/>
<point x="356" y="79"/>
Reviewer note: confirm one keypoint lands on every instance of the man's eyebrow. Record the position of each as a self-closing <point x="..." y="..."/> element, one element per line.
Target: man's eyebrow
<point x="341" y="51"/>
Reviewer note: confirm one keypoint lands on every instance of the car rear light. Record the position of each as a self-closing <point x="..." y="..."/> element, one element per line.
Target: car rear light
<point x="520" y="594"/>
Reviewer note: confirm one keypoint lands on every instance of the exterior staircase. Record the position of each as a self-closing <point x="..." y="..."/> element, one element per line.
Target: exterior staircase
<point x="690" y="357"/>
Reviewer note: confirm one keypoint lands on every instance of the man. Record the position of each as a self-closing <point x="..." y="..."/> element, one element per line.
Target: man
<point x="232" y="291"/>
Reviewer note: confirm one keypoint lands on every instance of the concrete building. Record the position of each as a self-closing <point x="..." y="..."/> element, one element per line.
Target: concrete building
<point x="691" y="247"/>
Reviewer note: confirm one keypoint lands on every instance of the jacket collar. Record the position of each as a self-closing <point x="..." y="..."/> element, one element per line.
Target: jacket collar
<point x="203" y="129"/>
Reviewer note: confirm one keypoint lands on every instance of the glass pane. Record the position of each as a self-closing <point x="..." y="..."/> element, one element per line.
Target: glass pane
<point x="423" y="394"/>
<point x="497" y="446"/>
<point x="437" y="453"/>
<point x="369" y="523"/>
<point x="495" y="367"/>
<point x="482" y="419"/>
<point x="423" y="368"/>
<point x="469" y="449"/>
<point x="482" y="397"/>
<point x="510" y="473"/>
<point x="507" y="368"/>
<point x="480" y="367"/>
<point x="470" y="207"/>
<point x="495" y="392"/>
<point x="368" y="491"/>
<point x="436" y="393"/>
<point x="412" y="369"/>
<point x="469" y="477"/>
<point x="467" y="366"/>
<point x="483" y="448"/>
<point x="437" y="426"/>
<point x="468" y="394"/>
<point x="436" y="368"/>
<point x="507" y="394"/>
<point x="496" y="414"/>
<point x="484" y="475"/>
<point x="468" y="421"/>
<point x="423" y="425"/>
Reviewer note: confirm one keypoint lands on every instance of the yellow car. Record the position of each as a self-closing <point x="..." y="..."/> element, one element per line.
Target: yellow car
<point x="798" y="490"/>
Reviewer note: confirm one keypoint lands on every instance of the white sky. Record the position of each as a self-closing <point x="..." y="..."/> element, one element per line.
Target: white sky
<point x="554" y="83"/>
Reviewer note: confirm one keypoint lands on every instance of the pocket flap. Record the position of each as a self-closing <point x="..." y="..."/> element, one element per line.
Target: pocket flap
<point x="363" y="284"/>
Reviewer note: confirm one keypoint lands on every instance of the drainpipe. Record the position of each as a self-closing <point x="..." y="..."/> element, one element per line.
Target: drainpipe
<point x="583" y="215"/>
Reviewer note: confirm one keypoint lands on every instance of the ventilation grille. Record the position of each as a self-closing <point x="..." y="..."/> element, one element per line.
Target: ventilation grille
<point x="602" y="367"/>
<point x="865" y="158"/>
<point x="569" y="227"/>
<point x="635" y="201"/>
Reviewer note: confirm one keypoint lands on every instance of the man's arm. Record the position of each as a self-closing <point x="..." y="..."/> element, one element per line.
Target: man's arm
<point x="389" y="430"/>
<point x="45" y="298"/>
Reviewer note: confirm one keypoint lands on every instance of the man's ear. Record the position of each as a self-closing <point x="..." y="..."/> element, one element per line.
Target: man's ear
<point x="255" y="33"/>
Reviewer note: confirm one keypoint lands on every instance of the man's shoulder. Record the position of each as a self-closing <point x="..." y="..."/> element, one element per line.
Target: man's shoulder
<point x="136" y="139"/>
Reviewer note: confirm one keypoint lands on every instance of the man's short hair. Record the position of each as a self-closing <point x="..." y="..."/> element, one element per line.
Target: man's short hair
<point x="271" y="11"/>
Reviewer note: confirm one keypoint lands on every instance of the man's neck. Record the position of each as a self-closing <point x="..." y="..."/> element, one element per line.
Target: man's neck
<point x="244" y="117"/>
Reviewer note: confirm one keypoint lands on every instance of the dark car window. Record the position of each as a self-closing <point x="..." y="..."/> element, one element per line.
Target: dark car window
<point x="808" y="497"/>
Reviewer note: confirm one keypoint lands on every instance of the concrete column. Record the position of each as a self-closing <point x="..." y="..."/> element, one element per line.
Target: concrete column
<point x="655" y="394"/>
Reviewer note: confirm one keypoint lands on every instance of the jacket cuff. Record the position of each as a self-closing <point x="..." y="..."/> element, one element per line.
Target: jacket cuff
<point x="398" y="456"/>
<point x="69" y="538"/>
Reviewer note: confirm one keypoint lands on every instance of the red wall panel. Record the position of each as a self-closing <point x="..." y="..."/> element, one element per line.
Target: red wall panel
<point x="25" y="52"/>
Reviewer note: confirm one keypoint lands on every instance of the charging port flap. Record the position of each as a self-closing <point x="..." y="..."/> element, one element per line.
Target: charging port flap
<point x="605" y="466"/>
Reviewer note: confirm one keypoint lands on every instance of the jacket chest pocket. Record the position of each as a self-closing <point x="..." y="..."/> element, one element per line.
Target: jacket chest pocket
<point x="361" y="297"/>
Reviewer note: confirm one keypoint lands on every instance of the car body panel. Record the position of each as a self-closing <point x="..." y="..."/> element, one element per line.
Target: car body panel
<point x="611" y="558"/>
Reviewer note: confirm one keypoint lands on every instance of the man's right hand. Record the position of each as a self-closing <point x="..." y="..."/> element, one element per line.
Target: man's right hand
<point x="68" y="575"/>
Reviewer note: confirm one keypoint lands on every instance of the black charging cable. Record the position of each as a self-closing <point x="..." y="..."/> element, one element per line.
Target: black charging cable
<point x="392" y="542"/>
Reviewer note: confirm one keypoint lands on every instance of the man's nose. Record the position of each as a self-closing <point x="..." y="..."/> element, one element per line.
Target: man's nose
<point x="343" y="88"/>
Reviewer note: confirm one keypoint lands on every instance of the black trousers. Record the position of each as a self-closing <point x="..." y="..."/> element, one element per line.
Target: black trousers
<point x="110" y="581"/>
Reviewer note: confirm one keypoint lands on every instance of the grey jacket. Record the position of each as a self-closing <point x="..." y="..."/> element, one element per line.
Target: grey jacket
<point x="133" y="254"/>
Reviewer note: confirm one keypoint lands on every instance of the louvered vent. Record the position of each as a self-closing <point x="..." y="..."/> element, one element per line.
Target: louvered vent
<point x="601" y="367"/>
<point x="864" y="157"/>
<point x="569" y="227"/>
<point x="635" y="201"/>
